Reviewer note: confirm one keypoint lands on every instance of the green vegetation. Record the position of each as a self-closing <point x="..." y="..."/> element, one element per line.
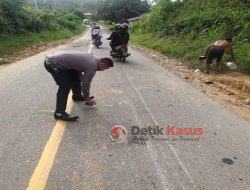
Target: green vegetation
<point x="22" y="25"/>
<point x="82" y="5"/>
<point x="120" y="10"/>
<point x="184" y="29"/>
<point x="11" y="44"/>
<point x="109" y="25"/>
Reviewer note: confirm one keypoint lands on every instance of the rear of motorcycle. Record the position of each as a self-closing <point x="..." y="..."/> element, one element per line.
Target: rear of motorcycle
<point x="121" y="53"/>
<point x="97" y="41"/>
<point x="124" y="51"/>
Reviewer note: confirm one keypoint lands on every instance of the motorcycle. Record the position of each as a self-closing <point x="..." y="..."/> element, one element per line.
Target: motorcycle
<point x="121" y="52"/>
<point x="97" y="41"/>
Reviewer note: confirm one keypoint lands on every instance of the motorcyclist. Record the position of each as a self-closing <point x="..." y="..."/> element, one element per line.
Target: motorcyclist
<point x="114" y="37"/>
<point x="93" y="25"/>
<point x="123" y="37"/>
<point x="96" y="32"/>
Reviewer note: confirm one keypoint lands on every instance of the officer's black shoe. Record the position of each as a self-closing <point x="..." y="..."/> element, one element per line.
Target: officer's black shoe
<point x="65" y="117"/>
<point x="78" y="98"/>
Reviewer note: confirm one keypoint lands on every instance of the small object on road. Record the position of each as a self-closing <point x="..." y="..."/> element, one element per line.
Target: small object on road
<point x="109" y="105"/>
<point x="231" y="65"/>
<point x="186" y="77"/>
<point x="227" y="161"/>
<point x="197" y="70"/>
<point x="247" y="102"/>
<point x="230" y="93"/>
<point x="202" y="57"/>
<point x="208" y="82"/>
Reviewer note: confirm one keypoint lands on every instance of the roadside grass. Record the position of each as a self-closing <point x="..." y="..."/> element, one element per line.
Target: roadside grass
<point x="109" y="26"/>
<point x="12" y="44"/>
<point x="188" y="49"/>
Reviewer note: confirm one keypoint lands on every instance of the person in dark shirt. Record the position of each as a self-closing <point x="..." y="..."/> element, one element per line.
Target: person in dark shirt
<point x="124" y="35"/>
<point x="67" y="67"/>
<point x="114" y="37"/>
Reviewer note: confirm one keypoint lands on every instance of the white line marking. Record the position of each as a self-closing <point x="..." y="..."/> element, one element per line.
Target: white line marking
<point x="171" y="147"/>
<point x="182" y="165"/>
<point x="150" y="149"/>
<point x="90" y="48"/>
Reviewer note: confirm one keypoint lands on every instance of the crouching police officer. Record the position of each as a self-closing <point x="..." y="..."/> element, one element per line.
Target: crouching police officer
<point x="67" y="67"/>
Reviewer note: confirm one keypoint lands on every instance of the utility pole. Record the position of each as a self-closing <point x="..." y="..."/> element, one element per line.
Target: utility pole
<point x="76" y="4"/>
<point x="36" y="4"/>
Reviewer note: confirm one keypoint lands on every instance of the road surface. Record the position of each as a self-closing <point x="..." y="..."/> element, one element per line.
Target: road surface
<point x="38" y="153"/>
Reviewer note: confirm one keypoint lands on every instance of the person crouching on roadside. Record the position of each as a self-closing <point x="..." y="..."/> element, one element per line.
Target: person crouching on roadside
<point x="216" y="50"/>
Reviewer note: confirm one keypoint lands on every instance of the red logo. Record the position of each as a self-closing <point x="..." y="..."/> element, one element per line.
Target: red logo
<point x="118" y="133"/>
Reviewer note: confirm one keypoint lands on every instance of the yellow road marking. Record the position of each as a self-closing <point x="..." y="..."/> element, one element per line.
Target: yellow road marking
<point x="41" y="173"/>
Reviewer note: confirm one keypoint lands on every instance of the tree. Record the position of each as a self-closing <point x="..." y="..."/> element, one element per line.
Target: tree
<point x="120" y="10"/>
<point x="10" y="15"/>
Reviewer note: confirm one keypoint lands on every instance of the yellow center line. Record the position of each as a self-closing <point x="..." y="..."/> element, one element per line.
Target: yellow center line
<point x="40" y="176"/>
<point x="41" y="173"/>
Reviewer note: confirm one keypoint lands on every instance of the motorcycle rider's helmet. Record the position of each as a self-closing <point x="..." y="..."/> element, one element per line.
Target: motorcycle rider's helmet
<point x="97" y="27"/>
<point x="118" y="27"/>
<point x="125" y="26"/>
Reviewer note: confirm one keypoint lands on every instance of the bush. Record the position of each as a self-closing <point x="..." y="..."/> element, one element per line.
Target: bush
<point x="22" y="26"/>
<point x="18" y="18"/>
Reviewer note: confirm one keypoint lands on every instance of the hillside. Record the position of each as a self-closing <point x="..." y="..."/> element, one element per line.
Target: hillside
<point x="184" y="29"/>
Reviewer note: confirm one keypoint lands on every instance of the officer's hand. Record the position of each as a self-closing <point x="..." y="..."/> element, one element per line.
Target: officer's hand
<point x="90" y="102"/>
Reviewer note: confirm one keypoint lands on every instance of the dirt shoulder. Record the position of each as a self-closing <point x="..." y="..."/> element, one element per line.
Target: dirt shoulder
<point x="232" y="89"/>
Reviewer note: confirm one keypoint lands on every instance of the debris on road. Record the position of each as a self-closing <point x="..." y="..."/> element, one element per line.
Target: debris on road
<point x="230" y="93"/>
<point x="231" y="65"/>
<point x="208" y="82"/>
<point x="228" y="161"/>
<point x="247" y="102"/>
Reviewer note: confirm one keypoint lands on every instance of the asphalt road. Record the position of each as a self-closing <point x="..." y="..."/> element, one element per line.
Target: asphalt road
<point x="137" y="93"/>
